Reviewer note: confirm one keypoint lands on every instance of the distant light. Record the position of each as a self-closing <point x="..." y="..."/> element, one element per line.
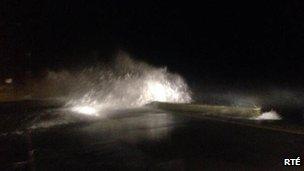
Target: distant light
<point x="86" y="110"/>
<point x="8" y="80"/>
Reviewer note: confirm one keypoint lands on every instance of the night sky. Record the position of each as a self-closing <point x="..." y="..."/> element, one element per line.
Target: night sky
<point x="208" y="41"/>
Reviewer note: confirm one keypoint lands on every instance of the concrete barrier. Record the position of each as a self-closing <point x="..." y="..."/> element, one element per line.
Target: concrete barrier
<point x="208" y="110"/>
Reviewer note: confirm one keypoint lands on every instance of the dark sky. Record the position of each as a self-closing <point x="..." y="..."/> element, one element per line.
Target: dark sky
<point x="210" y="40"/>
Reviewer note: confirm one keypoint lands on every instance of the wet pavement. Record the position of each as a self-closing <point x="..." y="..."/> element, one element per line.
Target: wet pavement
<point x="151" y="140"/>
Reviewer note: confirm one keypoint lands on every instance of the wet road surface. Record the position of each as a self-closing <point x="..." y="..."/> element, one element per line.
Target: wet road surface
<point x="152" y="140"/>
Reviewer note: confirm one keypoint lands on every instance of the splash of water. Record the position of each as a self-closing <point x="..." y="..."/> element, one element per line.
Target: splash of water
<point x="125" y="84"/>
<point x="271" y="115"/>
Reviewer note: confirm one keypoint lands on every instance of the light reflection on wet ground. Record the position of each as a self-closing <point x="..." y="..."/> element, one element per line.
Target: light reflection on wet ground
<point x="143" y="139"/>
<point x="150" y="126"/>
